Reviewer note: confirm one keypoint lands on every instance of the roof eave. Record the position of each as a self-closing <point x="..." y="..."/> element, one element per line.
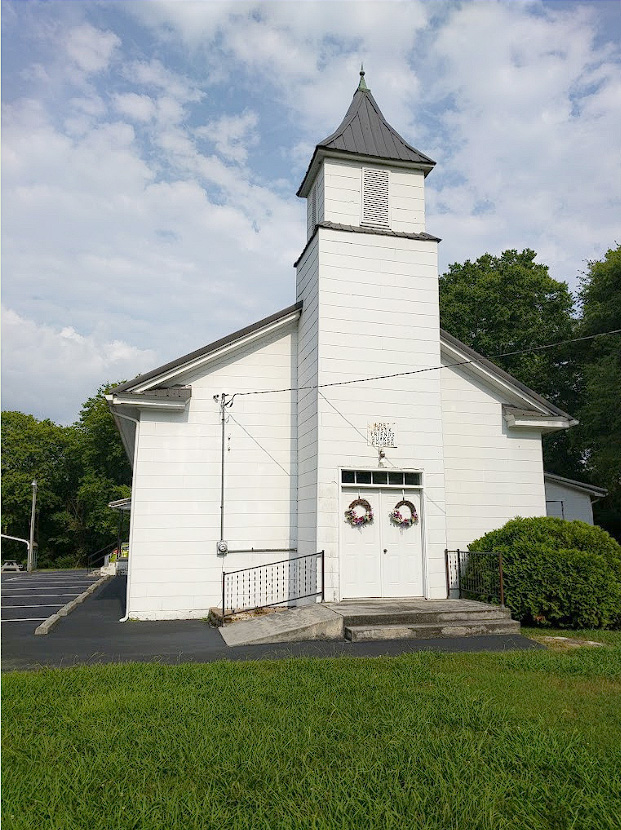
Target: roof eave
<point x="322" y="152"/>
<point x="502" y="378"/>
<point x="169" y="371"/>
<point x="542" y="423"/>
<point x="595" y="492"/>
<point x="126" y="426"/>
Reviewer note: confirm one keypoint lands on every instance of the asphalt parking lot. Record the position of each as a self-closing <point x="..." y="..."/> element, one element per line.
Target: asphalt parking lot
<point x="28" y="599"/>
<point x="93" y="634"/>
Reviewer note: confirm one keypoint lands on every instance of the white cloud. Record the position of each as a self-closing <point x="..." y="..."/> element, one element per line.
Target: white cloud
<point x="155" y="75"/>
<point x="136" y="107"/>
<point x="135" y="213"/>
<point x="531" y="135"/>
<point x="96" y="233"/>
<point x="49" y="372"/>
<point x="232" y="135"/>
<point x="90" y="48"/>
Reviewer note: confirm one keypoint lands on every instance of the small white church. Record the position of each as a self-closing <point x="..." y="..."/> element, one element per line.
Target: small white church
<point x="348" y="423"/>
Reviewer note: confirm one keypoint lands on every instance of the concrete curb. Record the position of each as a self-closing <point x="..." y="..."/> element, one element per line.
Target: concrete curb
<point x="47" y="625"/>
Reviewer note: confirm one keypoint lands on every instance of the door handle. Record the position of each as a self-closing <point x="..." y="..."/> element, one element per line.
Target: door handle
<point x="385" y="550"/>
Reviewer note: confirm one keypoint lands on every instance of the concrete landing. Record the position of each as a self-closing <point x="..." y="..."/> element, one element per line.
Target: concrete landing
<point x="411" y="609"/>
<point x="363" y="620"/>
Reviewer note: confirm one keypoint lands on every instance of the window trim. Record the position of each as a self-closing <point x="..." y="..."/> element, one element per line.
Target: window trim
<point x="373" y="486"/>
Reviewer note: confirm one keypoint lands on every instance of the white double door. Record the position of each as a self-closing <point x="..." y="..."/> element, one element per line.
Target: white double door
<point x="381" y="559"/>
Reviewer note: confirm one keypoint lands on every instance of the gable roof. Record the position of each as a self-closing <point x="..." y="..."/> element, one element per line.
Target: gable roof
<point x="186" y="360"/>
<point x="365" y="132"/>
<point x="501" y="375"/>
<point x="593" y="491"/>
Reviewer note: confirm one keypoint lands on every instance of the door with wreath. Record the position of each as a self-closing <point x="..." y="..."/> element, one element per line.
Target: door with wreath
<point x="381" y="543"/>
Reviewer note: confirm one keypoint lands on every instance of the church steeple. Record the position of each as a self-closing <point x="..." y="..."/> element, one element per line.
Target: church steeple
<point x="365" y="134"/>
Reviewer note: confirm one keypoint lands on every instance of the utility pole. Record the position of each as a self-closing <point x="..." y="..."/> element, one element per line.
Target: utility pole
<point x="32" y="527"/>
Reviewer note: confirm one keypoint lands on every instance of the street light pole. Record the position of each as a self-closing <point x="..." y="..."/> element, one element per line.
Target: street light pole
<point x="32" y="527"/>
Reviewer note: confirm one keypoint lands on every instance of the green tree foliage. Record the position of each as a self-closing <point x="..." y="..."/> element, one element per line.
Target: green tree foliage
<point x="78" y="468"/>
<point x="40" y="450"/>
<point x="509" y="303"/>
<point x="600" y="410"/>
<point x="99" y="441"/>
<point x="558" y="572"/>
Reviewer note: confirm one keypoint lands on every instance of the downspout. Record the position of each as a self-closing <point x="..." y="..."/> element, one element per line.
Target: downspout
<point x="222" y="455"/>
<point x="131" y="524"/>
<point x="222" y="546"/>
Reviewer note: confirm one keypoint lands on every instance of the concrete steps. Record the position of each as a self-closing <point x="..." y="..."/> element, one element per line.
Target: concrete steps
<point x="360" y="620"/>
<point x="429" y="631"/>
<point x="367" y="620"/>
<point x="418" y="617"/>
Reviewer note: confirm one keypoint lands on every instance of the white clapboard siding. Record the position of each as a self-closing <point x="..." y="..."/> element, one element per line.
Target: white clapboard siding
<point x="568" y="503"/>
<point x="373" y="319"/>
<point x="307" y="437"/>
<point x="493" y="473"/>
<point x="340" y="194"/>
<point x="175" y="510"/>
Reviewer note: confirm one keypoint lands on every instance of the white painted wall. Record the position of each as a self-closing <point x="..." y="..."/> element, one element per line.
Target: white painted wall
<point x="175" y="571"/>
<point x="576" y="503"/>
<point x="307" y="356"/>
<point x="339" y="191"/>
<point x="493" y="473"/>
<point x="373" y="301"/>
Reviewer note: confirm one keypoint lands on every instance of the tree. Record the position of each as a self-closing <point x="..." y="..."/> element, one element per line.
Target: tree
<point x="600" y="413"/>
<point x="510" y="303"/>
<point x="99" y="440"/>
<point x="40" y="450"/>
<point x="105" y="475"/>
<point x="79" y="470"/>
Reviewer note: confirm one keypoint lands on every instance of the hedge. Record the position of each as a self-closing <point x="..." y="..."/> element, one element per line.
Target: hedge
<point x="560" y="573"/>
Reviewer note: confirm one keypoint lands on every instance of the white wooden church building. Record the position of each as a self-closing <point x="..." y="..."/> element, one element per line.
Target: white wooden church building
<point x="271" y="474"/>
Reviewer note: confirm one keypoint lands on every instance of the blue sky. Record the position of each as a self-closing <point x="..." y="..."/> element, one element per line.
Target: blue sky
<point x="152" y="151"/>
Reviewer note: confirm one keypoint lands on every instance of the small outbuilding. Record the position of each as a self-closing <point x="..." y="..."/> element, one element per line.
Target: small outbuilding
<point x="569" y="499"/>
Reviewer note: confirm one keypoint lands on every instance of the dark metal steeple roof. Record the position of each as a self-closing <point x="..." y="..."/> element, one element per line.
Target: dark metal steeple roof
<point x="365" y="132"/>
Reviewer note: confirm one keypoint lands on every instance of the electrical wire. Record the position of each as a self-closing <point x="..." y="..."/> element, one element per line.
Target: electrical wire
<point x="252" y="438"/>
<point x="426" y="369"/>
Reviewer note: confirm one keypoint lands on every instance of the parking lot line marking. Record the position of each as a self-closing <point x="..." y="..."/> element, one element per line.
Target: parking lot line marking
<point x="43" y="587"/>
<point x="44" y="605"/>
<point x="40" y="596"/>
<point x="48" y="587"/>
<point x="27" y="619"/>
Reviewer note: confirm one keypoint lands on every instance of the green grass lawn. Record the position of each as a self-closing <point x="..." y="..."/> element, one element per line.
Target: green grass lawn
<point x="526" y="740"/>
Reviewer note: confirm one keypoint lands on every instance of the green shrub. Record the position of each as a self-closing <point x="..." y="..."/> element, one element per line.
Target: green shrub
<point x="559" y="573"/>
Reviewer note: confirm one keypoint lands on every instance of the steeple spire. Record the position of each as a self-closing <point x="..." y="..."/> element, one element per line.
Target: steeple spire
<point x="362" y="85"/>
<point x="365" y="134"/>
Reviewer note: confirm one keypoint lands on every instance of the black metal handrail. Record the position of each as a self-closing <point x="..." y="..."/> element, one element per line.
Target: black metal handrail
<point x="475" y="575"/>
<point x="100" y="554"/>
<point x="276" y="583"/>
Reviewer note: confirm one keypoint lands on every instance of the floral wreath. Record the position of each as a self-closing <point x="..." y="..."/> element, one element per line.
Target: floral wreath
<point x="355" y="519"/>
<point x="397" y="517"/>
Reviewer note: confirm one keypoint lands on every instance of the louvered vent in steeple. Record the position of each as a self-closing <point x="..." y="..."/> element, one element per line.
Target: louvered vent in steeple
<point x="375" y="198"/>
